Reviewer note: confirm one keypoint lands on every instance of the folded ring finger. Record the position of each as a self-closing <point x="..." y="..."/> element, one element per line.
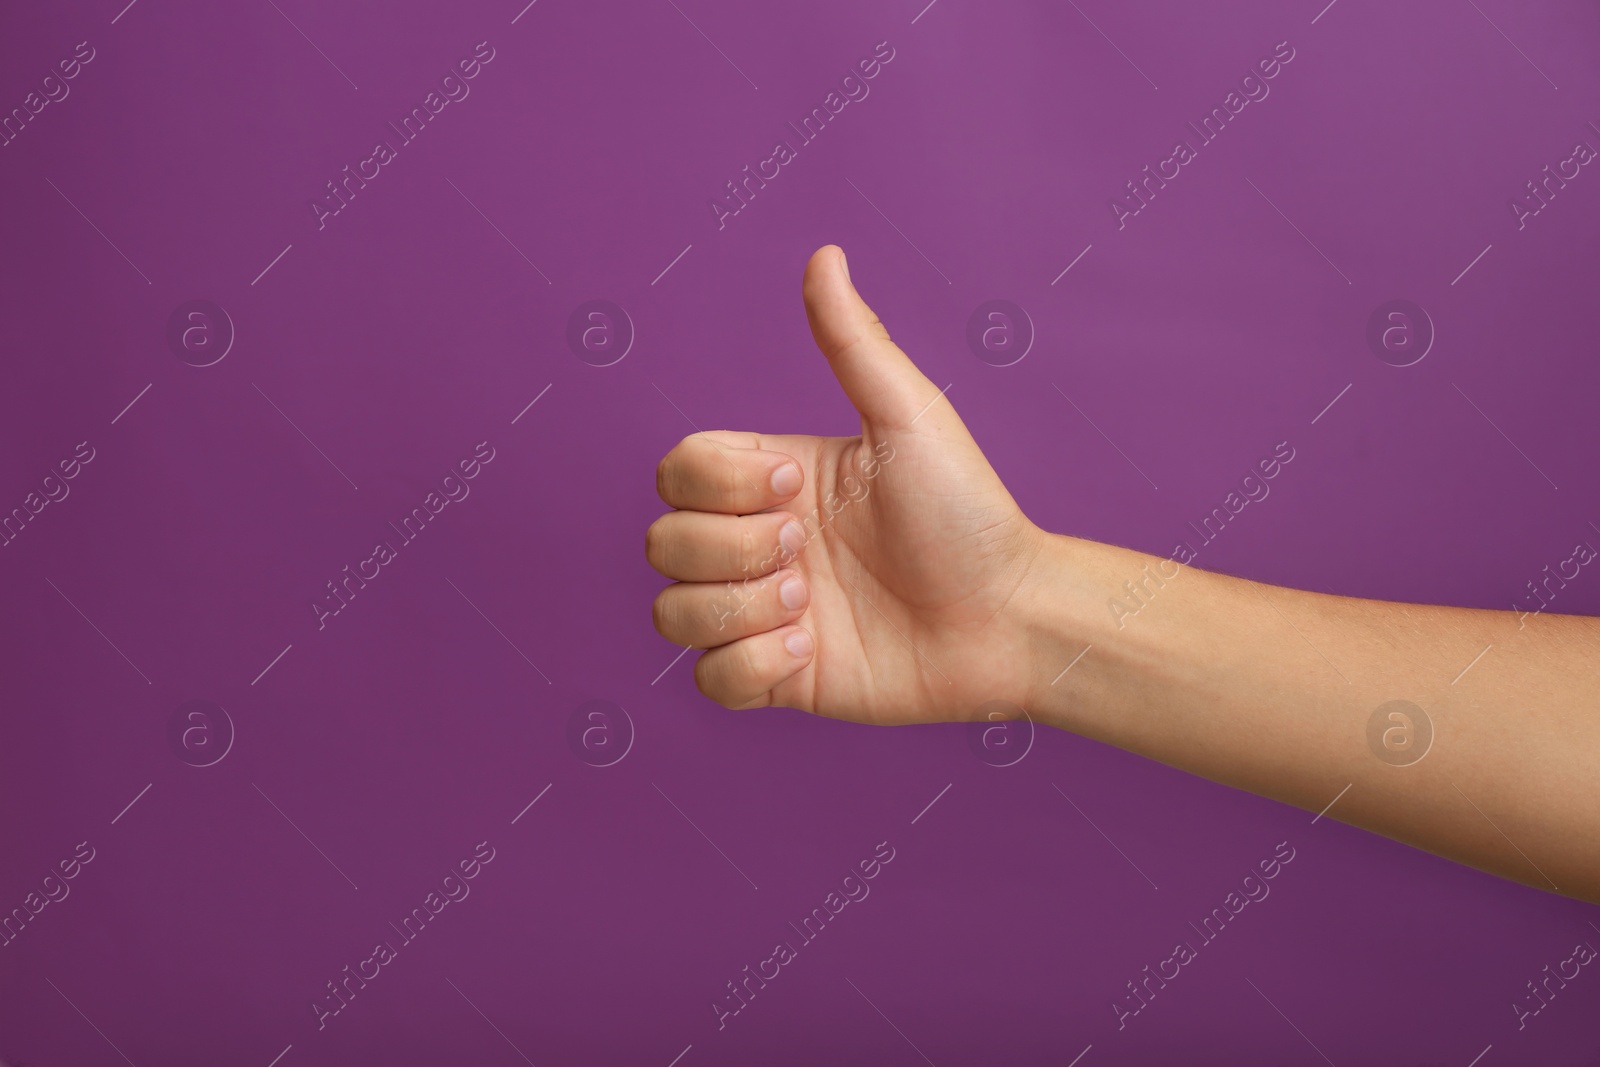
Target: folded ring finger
<point x="708" y="614"/>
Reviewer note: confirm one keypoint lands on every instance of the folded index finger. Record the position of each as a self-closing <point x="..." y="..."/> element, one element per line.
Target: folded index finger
<point x="727" y="472"/>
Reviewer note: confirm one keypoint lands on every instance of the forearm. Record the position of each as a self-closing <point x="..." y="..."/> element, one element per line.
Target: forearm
<point x="1271" y="690"/>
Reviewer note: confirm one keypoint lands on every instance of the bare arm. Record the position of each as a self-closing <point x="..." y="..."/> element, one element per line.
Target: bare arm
<point x="889" y="577"/>
<point x="1491" y="759"/>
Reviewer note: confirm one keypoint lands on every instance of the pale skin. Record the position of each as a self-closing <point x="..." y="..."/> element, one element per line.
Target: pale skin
<point x="918" y="591"/>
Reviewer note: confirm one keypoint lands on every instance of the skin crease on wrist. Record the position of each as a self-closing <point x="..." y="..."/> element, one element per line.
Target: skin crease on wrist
<point x="890" y="578"/>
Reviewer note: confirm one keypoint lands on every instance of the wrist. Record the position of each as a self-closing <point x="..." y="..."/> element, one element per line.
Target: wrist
<point x="1100" y="621"/>
<point x="1062" y="622"/>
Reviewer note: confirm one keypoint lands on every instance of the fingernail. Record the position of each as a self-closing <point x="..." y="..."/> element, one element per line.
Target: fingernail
<point x="786" y="480"/>
<point x="792" y="537"/>
<point x="793" y="593"/>
<point x="798" y="644"/>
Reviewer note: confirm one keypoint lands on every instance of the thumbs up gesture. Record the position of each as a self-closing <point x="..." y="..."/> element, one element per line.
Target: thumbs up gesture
<point x="882" y="578"/>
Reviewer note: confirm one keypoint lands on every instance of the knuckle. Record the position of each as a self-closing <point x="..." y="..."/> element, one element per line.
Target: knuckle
<point x="661" y="614"/>
<point x="745" y="554"/>
<point x="749" y="660"/>
<point x="674" y="471"/>
<point x="761" y="606"/>
<point x="729" y="480"/>
<point x="664" y="478"/>
<point x="706" y="679"/>
<point x="655" y="544"/>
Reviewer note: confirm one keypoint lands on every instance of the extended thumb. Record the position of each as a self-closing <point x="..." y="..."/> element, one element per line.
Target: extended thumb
<point x="882" y="383"/>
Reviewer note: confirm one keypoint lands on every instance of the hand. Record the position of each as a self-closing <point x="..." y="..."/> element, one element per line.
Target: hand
<point x="877" y="578"/>
<point x="910" y="588"/>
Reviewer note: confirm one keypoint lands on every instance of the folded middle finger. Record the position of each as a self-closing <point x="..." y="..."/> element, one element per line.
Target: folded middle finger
<point x="699" y="546"/>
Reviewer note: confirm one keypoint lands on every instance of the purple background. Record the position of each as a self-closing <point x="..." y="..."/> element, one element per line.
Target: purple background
<point x="409" y="329"/>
